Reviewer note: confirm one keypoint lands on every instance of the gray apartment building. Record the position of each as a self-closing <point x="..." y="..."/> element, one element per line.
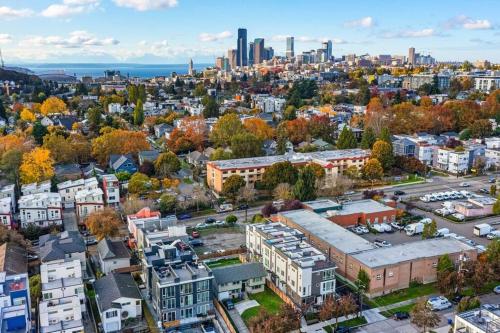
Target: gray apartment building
<point x="179" y="288"/>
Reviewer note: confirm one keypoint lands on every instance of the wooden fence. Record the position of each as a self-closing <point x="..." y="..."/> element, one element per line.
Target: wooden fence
<point x="225" y="316"/>
<point x="280" y="293"/>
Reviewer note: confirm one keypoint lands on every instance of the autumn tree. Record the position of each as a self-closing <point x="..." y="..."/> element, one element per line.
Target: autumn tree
<point x="283" y="191"/>
<point x="103" y="223"/>
<point x="321" y="127"/>
<point x="168" y="203"/>
<point x="281" y="172"/>
<point x="289" y="113"/>
<point x="27" y="115"/>
<point x="446" y="275"/>
<point x="225" y="128"/>
<point x="372" y="169"/>
<point x="53" y="105"/>
<point x="220" y="154"/>
<point x="346" y="140"/>
<point x="118" y="142"/>
<point x="423" y="317"/>
<point x="259" y="128"/>
<point x="60" y="151"/>
<point x="481" y="128"/>
<point x="139" y="183"/>
<point x="167" y="164"/>
<point x="139" y="113"/>
<point x="296" y="130"/>
<point x="246" y="145"/>
<point x="468" y="303"/>
<point x="368" y="138"/>
<point x="36" y="166"/>
<point x="430" y="230"/>
<point x="382" y="151"/>
<point x="232" y="186"/>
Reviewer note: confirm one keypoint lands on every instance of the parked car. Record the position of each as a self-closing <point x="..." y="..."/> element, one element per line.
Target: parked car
<point x="438" y="303"/>
<point x="207" y="328"/>
<point x="243" y="207"/>
<point x="342" y="329"/>
<point x="397" y="226"/>
<point x="456" y="299"/>
<point x="401" y="315"/>
<point x="349" y="193"/>
<point x="492" y="179"/>
<point x="229" y="304"/>
<point x="220" y="223"/>
<point x="195" y="234"/>
<point x="363" y="229"/>
<point x="201" y="226"/>
<point x="464" y="184"/>
<point x="483" y="190"/>
<point x="210" y="220"/>
<point x="31" y="257"/>
<point x="399" y="192"/>
<point x="381" y="243"/>
<point x="196" y="242"/>
<point x="493" y="235"/>
<point x="496" y="290"/>
<point x="458" y="216"/>
<point x="184" y="216"/>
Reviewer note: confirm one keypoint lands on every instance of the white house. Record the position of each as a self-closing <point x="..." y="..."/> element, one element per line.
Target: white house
<point x="34" y="188"/>
<point x="88" y="201"/>
<point x="42" y="209"/>
<point x="9" y="191"/>
<point x="6" y="212"/>
<point x="113" y="254"/>
<point x="111" y="190"/>
<point x="62" y="279"/>
<point x="61" y="316"/>
<point x="70" y="188"/>
<point x="452" y="161"/>
<point x="118" y="299"/>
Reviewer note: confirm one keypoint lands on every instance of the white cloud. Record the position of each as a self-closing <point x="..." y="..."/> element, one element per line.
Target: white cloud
<point x="364" y="22"/>
<point x="307" y="39"/>
<point x="208" y="37"/>
<point x="69" y="8"/>
<point x="412" y="34"/>
<point x="468" y="23"/>
<point x="11" y="13"/>
<point x="5" y="38"/>
<point x="144" y="5"/>
<point x="76" y="39"/>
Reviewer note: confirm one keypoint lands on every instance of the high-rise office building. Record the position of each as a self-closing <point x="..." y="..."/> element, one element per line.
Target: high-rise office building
<point x="219" y="62"/>
<point x="411" y="56"/>
<point x="258" y="50"/>
<point x="232" y="55"/>
<point x="290" y="47"/>
<point x="190" y="67"/>
<point x="241" y="59"/>
<point x="269" y="53"/>
<point x="250" y="54"/>
<point x="329" y="50"/>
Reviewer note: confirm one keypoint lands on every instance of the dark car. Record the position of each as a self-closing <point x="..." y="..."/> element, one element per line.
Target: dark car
<point x="243" y="207"/>
<point x="342" y="329"/>
<point x="456" y="299"/>
<point x="196" y="242"/>
<point x="399" y="192"/>
<point x="184" y="216"/>
<point x="401" y="315"/>
<point x="195" y="234"/>
<point x="210" y="220"/>
<point x="229" y="304"/>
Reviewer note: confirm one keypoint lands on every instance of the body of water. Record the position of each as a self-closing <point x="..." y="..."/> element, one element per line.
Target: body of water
<point x="97" y="70"/>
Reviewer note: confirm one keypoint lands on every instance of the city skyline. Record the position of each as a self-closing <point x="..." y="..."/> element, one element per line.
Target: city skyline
<point x="173" y="31"/>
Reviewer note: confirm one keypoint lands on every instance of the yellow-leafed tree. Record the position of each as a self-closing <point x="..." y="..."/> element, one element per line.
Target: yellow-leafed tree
<point x="27" y="115"/>
<point x="118" y="142"/>
<point x="53" y="105"/>
<point x="37" y="165"/>
<point x="103" y="223"/>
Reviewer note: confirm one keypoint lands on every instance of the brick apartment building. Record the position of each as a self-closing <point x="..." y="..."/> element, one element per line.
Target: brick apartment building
<point x="334" y="162"/>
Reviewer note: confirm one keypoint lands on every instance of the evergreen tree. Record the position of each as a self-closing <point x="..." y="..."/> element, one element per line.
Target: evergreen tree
<point x="346" y="140"/>
<point x="368" y="138"/>
<point x="3" y="114"/>
<point x="385" y="135"/>
<point x="139" y="113"/>
<point x="305" y="187"/>
<point x="364" y="95"/>
<point x="39" y="131"/>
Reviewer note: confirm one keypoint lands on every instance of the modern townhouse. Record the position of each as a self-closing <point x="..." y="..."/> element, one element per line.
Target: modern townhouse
<point x="297" y="268"/>
<point x="334" y="162"/>
<point x="65" y="246"/>
<point x="41" y="209"/>
<point x="455" y="162"/>
<point x="87" y="202"/>
<point x="70" y="188"/>
<point x="9" y="191"/>
<point x="6" y="212"/>
<point x="118" y="301"/>
<point x="62" y="280"/>
<point x="61" y="316"/>
<point x="34" y="188"/>
<point x="236" y="280"/>
<point x="180" y="289"/>
<point x="141" y="219"/>
<point x="111" y="190"/>
<point x="15" y="313"/>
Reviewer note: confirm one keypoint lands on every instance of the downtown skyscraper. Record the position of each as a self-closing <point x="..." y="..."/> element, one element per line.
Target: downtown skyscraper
<point x="290" y="47"/>
<point x="242" y="54"/>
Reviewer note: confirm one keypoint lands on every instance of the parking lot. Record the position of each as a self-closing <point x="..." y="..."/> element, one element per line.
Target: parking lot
<point x="215" y="239"/>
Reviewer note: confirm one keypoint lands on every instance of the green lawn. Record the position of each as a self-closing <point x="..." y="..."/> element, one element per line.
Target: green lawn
<point x="348" y="323"/>
<point x="221" y="230"/>
<point x="267" y="299"/>
<point x="487" y="288"/>
<point x="411" y="179"/>
<point x="405" y="294"/>
<point x="223" y="262"/>
<point x="404" y="308"/>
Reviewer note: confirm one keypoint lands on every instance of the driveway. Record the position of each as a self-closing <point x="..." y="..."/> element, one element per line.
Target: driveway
<point x="238" y="321"/>
<point x="69" y="220"/>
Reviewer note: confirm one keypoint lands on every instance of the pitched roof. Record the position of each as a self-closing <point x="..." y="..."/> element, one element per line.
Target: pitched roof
<point x="115" y="161"/>
<point x="13" y="259"/>
<point x="240" y="272"/>
<point x="109" y="249"/>
<point x="55" y="247"/>
<point x="113" y="286"/>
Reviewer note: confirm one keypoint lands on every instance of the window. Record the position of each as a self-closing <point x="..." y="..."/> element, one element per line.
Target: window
<point x="186" y="288"/>
<point x="186" y="313"/>
<point x="168" y="316"/>
<point x="203" y="309"/>
<point x="327" y="275"/>
<point x="379" y="277"/>
<point x="203" y="285"/>
<point x="327" y="286"/>
<point x="169" y="303"/>
<point x="391" y="274"/>
<point x="186" y="300"/>
<point x="112" y="314"/>
<point x="203" y="297"/>
<point x="168" y="292"/>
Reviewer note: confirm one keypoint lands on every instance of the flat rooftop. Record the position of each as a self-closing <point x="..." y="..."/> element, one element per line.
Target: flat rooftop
<point x="486" y="318"/>
<point x="367" y="206"/>
<point x="265" y="161"/>
<point x="327" y="231"/>
<point x="428" y="248"/>
<point x="322" y="205"/>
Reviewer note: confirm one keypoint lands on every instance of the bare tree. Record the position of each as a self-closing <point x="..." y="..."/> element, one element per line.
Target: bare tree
<point x="283" y="191"/>
<point x="424" y="317"/>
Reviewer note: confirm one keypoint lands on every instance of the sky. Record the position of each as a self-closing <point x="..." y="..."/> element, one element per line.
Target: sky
<point x="173" y="31"/>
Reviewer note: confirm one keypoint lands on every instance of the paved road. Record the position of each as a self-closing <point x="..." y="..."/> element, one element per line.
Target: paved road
<point x="69" y="220"/>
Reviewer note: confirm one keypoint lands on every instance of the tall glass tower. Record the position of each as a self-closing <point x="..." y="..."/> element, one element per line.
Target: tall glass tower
<point x="241" y="58"/>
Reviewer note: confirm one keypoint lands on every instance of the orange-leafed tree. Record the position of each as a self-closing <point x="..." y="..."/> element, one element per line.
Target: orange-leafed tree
<point x="27" y="115"/>
<point x="103" y="223"/>
<point x="296" y="130"/>
<point x="37" y="165"/>
<point x="14" y="141"/>
<point x="259" y="128"/>
<point x="53" y="105"/>
<point x="118" y="142"/>
<point x="195" y="129"/>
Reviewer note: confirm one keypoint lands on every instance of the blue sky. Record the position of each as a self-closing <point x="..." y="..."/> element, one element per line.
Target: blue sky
<point x="172" y="31"/>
